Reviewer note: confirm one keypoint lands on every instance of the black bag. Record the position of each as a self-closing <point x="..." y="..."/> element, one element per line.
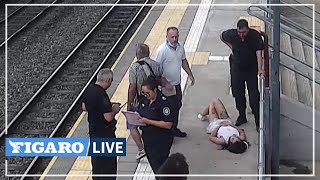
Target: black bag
<point x="149" y="72"/>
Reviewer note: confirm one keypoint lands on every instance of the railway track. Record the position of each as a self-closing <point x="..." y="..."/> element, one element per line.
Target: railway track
<point x="44" y="113"/>
<point x="20" y="17"/>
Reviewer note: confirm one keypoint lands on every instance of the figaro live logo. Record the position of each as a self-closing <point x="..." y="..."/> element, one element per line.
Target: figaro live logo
<point x="65" y="147"/>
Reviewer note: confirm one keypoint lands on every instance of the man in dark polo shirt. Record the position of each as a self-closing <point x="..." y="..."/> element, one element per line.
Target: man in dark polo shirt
<point x="246" y="64"/>
<point x="101" y="118"/>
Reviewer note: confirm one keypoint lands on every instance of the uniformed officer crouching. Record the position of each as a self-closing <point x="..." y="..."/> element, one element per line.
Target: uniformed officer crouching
<point x="155" y="111"/>
<point x="101" y="118"/>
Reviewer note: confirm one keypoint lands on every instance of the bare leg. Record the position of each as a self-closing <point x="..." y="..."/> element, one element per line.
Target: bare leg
<point x="220" y="109"/>
<point x="205" y="110"/>
<point x="215" y="110"/>
<point x="137" y="138"/>
<point x="212" y="111"/>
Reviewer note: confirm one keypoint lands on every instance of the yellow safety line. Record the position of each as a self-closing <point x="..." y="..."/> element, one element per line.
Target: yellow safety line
<point x="80" y="118"/>
<point x="121" y="92"/>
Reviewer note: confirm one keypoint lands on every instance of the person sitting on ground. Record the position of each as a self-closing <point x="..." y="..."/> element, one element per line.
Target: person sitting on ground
<point x="175" y="164"/>
<point x="222" y="131"/>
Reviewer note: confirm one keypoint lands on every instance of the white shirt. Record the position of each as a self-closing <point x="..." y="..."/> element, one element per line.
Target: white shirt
<point x="226" y="132"/>
<point x="170" y="61"/>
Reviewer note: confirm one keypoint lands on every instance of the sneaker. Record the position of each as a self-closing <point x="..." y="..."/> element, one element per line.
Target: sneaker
<point x="241" y="120"/>
<point x="201" y="117"/>
<point x="140" y="154"/>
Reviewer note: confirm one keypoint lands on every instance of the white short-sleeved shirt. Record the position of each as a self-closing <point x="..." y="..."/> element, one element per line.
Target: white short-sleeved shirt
<point x="171" y="62"/>
<point x="226" y="132"/>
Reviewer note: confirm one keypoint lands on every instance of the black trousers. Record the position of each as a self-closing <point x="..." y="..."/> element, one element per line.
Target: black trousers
<point x="103" y="164"/>
<point x="157" y="150"/>
<point x="176" y="104"/>
<point x="238" y="80"/>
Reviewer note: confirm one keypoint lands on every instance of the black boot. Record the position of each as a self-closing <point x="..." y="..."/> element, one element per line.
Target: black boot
<point x="178" y="133"/>
<point x="242" y="119"/>
<point x="257" y="121"/>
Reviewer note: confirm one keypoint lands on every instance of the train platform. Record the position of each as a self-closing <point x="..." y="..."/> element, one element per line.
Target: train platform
<point x="200" y="29"/>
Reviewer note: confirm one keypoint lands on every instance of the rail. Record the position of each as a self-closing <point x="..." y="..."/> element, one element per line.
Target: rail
<point x="29" y="22"/>
<point x="304" y="36"/>
<point x="263" y="83"/>
<point x="261" y="156"/>
<point x="92" y="77"/>
<point x="301" y="11"/>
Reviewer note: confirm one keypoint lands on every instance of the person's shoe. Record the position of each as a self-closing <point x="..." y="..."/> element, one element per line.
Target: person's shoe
<point x="241" y="120"/>
<point x="178" y="133"/>
<point x="140" y="154"/>
<point x="201" y="117"/>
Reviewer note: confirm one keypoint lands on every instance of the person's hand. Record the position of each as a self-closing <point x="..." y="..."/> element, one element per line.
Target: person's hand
<point x="169" y="86"/>
<point x="116" y="107"/>
<point x="129" y="107"/>
<point x="144" y="120"/>
<point x="192" y="80"/>
<point x="261" y="72"/>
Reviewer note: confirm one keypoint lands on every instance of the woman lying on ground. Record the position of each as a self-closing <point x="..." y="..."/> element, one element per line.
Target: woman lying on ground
<point x="222" y="131"/>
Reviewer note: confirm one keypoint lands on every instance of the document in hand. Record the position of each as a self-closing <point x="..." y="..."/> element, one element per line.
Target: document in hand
<point x="133" y="117"/>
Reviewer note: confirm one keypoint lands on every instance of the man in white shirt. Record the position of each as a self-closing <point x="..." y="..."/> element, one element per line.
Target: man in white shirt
<point x="171" y="56"/>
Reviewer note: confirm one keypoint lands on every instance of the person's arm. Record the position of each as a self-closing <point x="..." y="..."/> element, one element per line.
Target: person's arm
<point x="242" y="135"/>
<point x="161" y="124"/>
<point x="260" y="48"/>
<point x="186" y="67"/>
<point x="132" y="90"/>
<point x="109" y="116"/>
<point x="259" y="59"/>
<point x="226" y="37"/>
<point x="83" y="107"/>
<point x="166" y="118"/>
<point x="218" y="141"/>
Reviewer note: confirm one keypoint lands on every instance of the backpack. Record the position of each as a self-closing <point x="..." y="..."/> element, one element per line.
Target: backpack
<point x="149" y="72"/>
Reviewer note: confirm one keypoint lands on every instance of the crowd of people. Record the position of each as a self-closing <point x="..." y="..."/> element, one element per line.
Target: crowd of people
<point x="155" y="93"/>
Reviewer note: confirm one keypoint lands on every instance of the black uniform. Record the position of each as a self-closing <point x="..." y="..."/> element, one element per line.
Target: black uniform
<point x="244" y="68"/>
<point x="157" y="141"/>
<point x="97" y="103"/>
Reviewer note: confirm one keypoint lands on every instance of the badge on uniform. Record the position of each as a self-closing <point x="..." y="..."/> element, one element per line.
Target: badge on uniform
<point x="166" y="111"/>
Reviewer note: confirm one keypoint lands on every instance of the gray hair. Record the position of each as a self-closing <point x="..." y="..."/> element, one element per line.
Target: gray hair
<point x="105" y="74"/>
<point x="143" y="49"/>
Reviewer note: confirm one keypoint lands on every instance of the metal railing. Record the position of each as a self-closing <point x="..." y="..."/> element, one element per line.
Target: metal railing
<point x="262" y="154"/>
<point x="263" y="83"/>
<point x="301" y="33"/>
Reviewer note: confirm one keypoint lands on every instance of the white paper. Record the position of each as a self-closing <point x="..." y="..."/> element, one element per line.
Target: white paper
<point x="132" y="118"/>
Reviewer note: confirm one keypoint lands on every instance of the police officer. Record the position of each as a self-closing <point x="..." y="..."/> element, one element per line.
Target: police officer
<point x="156" y="114"/>
<point x="246" y="64"/>
<point x="101" y="118"/>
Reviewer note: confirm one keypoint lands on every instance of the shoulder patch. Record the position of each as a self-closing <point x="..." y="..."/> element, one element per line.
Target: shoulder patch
<point x="166" y="111"/>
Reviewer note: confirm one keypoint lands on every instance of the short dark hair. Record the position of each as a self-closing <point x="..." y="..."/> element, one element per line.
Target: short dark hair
<point x="172" y="28"/>
<point x="242" y="23"/>
<point x="142" y="49"/>
<point x="237" y="147"/>
<point x="150" y="82"/>
<point x="175" y="164"/>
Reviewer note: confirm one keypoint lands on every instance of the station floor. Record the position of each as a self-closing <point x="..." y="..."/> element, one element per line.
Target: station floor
<point x="200" y="28"/>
